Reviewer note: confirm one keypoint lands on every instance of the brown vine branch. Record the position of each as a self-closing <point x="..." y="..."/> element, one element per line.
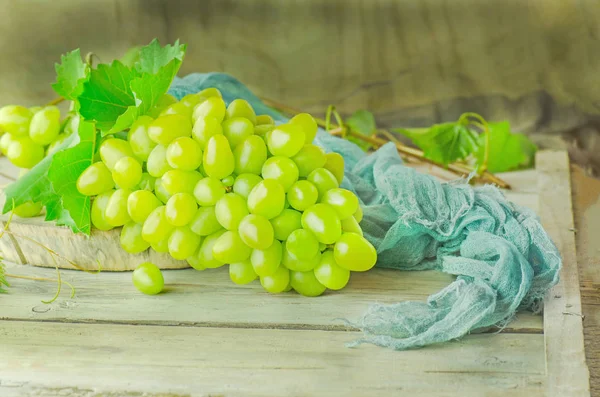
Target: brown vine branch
<point x="55" y="101"/>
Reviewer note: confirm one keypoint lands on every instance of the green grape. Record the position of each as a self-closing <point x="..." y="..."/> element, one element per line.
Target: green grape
<point x="35" y="109"/>
<point x="194" y="262"/>
<point x="218" y="158"/>
<point x="286" y="140"/>
<point x="323" y="179"/>
<point x="292" y="262"/>
<point x="309" y="158"/>
<point x="72" y="125"/>
<point x="191" y="100"/>
<point x="302" y="195"/>
<point x="240" y="108"/>
<point x="112" y="150"/>
<point x="166" y="128"/>
<point x="163" y="102"/>
<point x="146" y="182"/>
<point x="306" y="283"/>
<point x="265" y="262"/>
<point x="179" y="181"/>
<point x="330" y="274"/>
<point x="15" y="120"/>
<point x="263" y="119"/>
<point x="343" y="201"/>
<point x="28" y="209"/>
<point x="131" y="238"/>
<point x="210" y="92"/>
<point x="285" y="223"/>
<point x="244" y="183"/>
<point x="24" y="153"/>
<point x="148" y="279"/>
<point x="358" y="215"/>
<point x="354" y="252"/>
<point x="208" y="191"/>
<point x="229" y="248"/>
<point x="212" y="107"/>
<point x="116" y="210"/>
<point x="334" y="163"/>
<point x="267" y="198"/>
<point x="308" y="125"/>
<point x="302" y="244"/>
<point x="160" y="191"/>
<point x="127" y="173"/>
<point x="183" y="243"/>
<point x="205" y="128"/>
<point x="281" y="169"/>
<point x="228" y="181"/>
<point x="250" y="155"/>
<point x="277" y="282"/>
<point x="157" y="163"/>
<point x="54" y="146"/>
<point x="256" y="232"/>
<point x="323" y="222"/>
<point x="180" y="209"/>
<point x="263" y="129"/>
<point x="185" y="154"/>
<point x="5" y="141"/>
<point x="236" y="130"/>
<point x="322" y="247"/>
<point x="178" y="109"/>
<point x="94" y="180"/>
<point x="205" y="222"/>
<point x="45" y="125"/>
<point x="161" y="246"/>
<point x="230" y="210"/>
<point x="140" y="205"/>
<point x="350" y="225"/>
<point x="242" y="272"/>
<point x="205" y="253"/>
<point x="98" y="210"/>
<point x="157" y="227"/>
<point x="140" y="142"/>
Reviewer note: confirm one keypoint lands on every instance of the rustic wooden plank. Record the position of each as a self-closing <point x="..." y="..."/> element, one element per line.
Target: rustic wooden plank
<point x="567" y="371"/>
<point x="232" y="362"/>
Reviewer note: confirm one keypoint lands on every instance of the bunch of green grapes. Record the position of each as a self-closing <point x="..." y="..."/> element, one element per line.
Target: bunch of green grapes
<point x="214" y="184"/>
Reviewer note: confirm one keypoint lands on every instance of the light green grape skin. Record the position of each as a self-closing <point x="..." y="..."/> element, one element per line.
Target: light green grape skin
<point x="54" y="146"/>
<point x="229" y="248"/>
<point x="240" y="108"/>
<point x="5" y="141"/>
<point x="302" y="244"/>
<point x="35" y="109"/>
<point x="191" y="100"/>
<point x="267" y="198"/>
<point x="343" y="201"/>
<point x="184" y="153"/>
<point x="354" y="252"/>
<point x="256" y="232"/>
<point x="286" y="140"/>
<point x="98" y="210"/>
<point x="28" y="209"/>
<point x="161" y="246"/>
<point x="292" y="262"/>
<point x="166" y="128"/>
<point x="323" y="222"/>
<point x="334" y="162"/>
<point x="323" y="179"/>
<point x="157" y="163"/>
<point x="160" y="191"/>
<point x="212" y="107"/>
<point x="237" y="129"/>
<point x="263" y="129"/>
<point x="350" y="225"/>
<point x="322" y="247"/>
<point x="285" y="223"/>
<point x="208" y="191"/>
<point x="228" y="181"/>
<point x="204" y="129"/>
<point x="230" y="210"/>
<point x="45" y="125"/>
<point x="211" y="92"/>
<point x="306" y="283"/>
<point x="282" y="170"/>
<point x="15" y="120"/>
<point x="140" y="142"/>
<point x="140" y="205"/>
<point x="205" y="222"/>
<point x="250" y="155"/>
<point x="116" y="210"/>
<point x="244" y="183"/>
<point x="24" y="153"/>
<point x="148" y="279"/>
<point x="181" y="209"/>
<point x="112" y="150"/>
<point x="163" y="102"/>
<point x="242" y="272"/>
<point x="308" y="125"/>
<point x="127" y="173"/>
<point x="183" y="243"/>
<point x="156" y="227"/>
<point x="358" y="215"/>
<point x="205" y="253"/>
<point x="147" y="182"/>
<point x="179" y="181"/>
<point x="276" y="282"/>
<point x="218" y="159"/>
<point x="178" y="109"/>
<point x="265" y="262"/>
<point x="302" y="195"/>
<point x="194" y="262"/>
<point x="309" y="158"/>
<point x="95" y="180"/>
<point x="131" y="238"/>
<point x="330" y="274"/>
<point x="263" y="119"/>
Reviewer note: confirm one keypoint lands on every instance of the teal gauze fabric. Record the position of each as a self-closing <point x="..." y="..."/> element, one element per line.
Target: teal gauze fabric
<point x="503" y="259"/>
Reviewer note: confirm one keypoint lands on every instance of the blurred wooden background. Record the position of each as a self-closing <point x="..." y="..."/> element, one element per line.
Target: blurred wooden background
<point x="411" y="62"/>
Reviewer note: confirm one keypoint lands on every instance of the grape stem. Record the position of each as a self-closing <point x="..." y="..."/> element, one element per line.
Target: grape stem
<point x="55" y="101"/>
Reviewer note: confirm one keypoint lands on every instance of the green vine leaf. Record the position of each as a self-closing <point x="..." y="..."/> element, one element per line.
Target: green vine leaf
<point x="507" y="151"/>
<point x="71" y="75"/>
<point x="153" y="57"/>
<point x="363" y="122"/>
